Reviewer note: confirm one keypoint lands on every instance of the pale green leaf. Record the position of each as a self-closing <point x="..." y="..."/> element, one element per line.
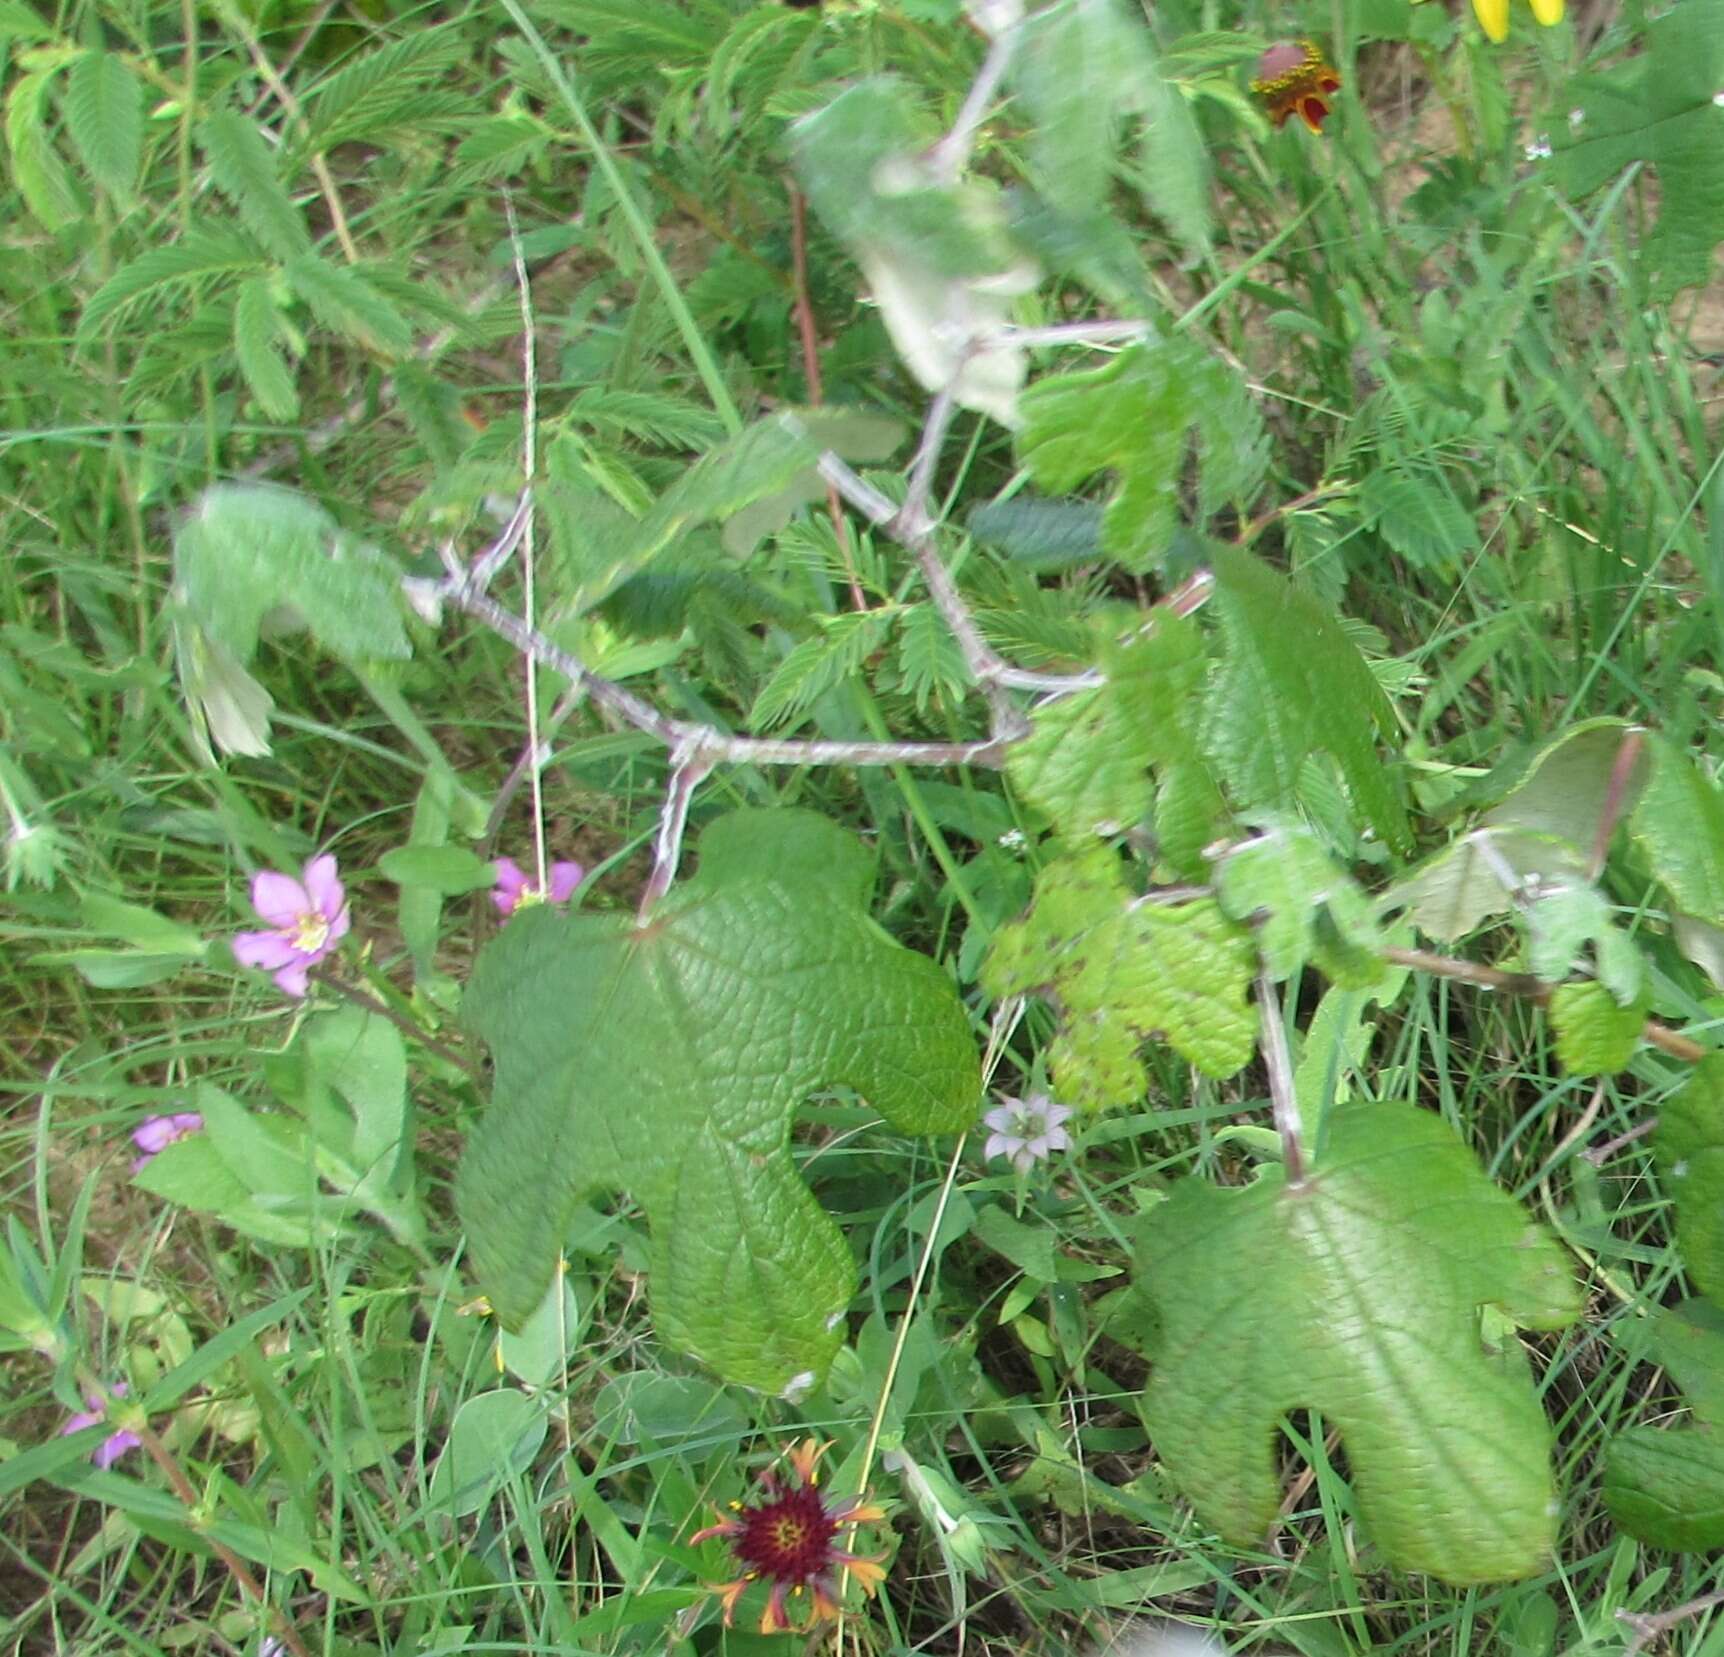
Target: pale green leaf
<point x="493" y="1438"/>
<point x="1689" y="1146"/>
<point x="1137" y="417"/>
<point x="105" y="117"/>
<point x="930" y="664"/>
<point x="1357" y="1294"/>
<point x="203" y="255"/>
<point x="1418" y="516"/>
<point x="381" y="91"/>
<point x="1594" y="1034"/>
<point x="343" y="300"/>
<point x="37" y="170"/>
<point x="856" y="435"/>
<point x="1663" y="110"/>
<point x="1666" y="1486"/>
<point x="1123" y="971"/>
<point x="1174" y="171"/>
<point x="818" y="665"/>
<point x="1293" y="685"/>
<point x="1680" y="825"/>
<point x="667" y="1061"/>
<point x="243" y="165"/>
<point x="260" y="336"/>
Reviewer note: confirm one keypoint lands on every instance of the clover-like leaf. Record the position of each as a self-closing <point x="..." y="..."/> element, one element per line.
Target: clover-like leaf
<point x="667" y="1059"/>
<point x="1667" y="1487"/>
<point x="1357" y="1293"/>
<point x="1125" y="969"/>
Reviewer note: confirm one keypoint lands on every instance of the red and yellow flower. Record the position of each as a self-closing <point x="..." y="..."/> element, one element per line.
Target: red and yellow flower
<point x="1294" y="78"/>
<point x="789" y="1540"/>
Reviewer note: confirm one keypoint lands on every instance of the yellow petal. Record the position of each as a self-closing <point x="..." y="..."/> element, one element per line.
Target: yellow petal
<point x="1493" y="17"/>
<point x="1547" y="11"/>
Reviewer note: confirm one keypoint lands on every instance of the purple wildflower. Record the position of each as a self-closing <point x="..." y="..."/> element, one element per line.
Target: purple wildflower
<point x="1027" y="1130"/>
<point x="514" y="889"/>
<point x="114" y="1445"/>
<point x="308" y="918"/>
<point x="159" y="1132"/>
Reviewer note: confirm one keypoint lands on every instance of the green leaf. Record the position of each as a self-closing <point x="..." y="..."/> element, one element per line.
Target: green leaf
<point x="451" y="870"/>
<point x="377" y="92"/>
<point x="1123" y="970"/>
<point x="1667" y="1487"/>
<point x="105" y="117"/>
<point x="343" y="300"/>
<point x="1173" y="171"/>
<point x="1357" y="1294"/>
<point x="1594" y="1035"/>
<point x="248" y="549"/>
<point x="1689" y="1146"/>
<point x="243" y="166"/>
<point x="260" y="333"/>
<point x="1292" y="685"/>
<point x="818" y="665"/>
<point x="493" y="1438"/>
<point x="39" y="173"/>
<point x="203" y="255"/>
<point x="1043" y="534"/>
<point x="1680" y="826"/>
<point x="1286" y="885"/>
<point x="1661" y="109"/>
<point x="856" y="435"/>
<point x="1029" y="1247"/>
<point x="668" y="1059"/>
<point x="1417" y="515"/>
<point x="1137" y="417"/>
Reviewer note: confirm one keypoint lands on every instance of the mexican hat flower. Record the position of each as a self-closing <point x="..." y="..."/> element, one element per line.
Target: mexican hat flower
<point x="515" y="889"/>
<point x="307" y="918"/>
<point x="789" y="1540"/>
<point x="1294" y="78"/>
<point x="1493" y="15"/>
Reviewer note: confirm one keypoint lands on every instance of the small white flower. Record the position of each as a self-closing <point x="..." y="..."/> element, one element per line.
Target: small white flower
<point x="1576" y="119"/>
<point x="1012" y="839"/>
<point x="1027" y="1130"/>
<point x="1540" y="150"/>
<point x="1718" y="99"/>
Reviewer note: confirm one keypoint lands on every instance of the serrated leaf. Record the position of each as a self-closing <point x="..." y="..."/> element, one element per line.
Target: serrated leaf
<point x="1689" y="1146"/>
<point x="1137" y="417"/>
<point x="1479" y="878"/>
<point x="1562" y="922"/>
<point x="259" y="338"/>
<point x="1666" y="1487"/>
<point x="1174" y="170"/>
<point x="1660" y="110"/>
<point x="1594" y="1035"/>
<point x="19" y="21"/>
<point x="1293" y="685"/>
<point x="1284" y="884"/>
<point x="105" y="117"/>
<point x="204" y="254"/>
<point x="37" y="170"/>
<point x="243" y="166"/>
<point x="818" y="665"/>
<point x="930" y="664"/>
<point x="248" y="549"/>
<point x="667" y="1060"/>
<point x="380" y="90"/>
<point x="1417" y="516"/>
<point x="1358" y="1294"/>
<point x="1123" y="970"/>
<point x="343" y="300"/>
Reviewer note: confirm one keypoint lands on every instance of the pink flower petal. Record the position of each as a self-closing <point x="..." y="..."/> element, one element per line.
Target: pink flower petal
<point x="511" y="882"/>
<point x="113" y="1447"/>
<point x="565" y="877"/>
<point x="83" y="1419"/>
<point x="268" y="950"/>
<point x="291" y="979"/>
<point x="280" y="899"/>
<point x="323" y="887"/>
<point x="340" y="923"/>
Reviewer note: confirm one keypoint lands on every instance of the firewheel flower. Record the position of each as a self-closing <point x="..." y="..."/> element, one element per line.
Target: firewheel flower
<point x="159" y="1132"/>
<point x="789" y="1540"/>
<point x="307" y="917"/>
<point x="114" y="1445"/>
<point x="1493" y="15"/>
<point x="515" y="889"/>
<point x="1027" y="1130"/>
<point x="1294" y="78"/>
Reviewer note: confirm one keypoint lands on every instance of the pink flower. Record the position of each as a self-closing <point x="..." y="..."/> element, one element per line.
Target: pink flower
<point x="114" y="1445"/>
<point x="308" y="916"/>
<point x="159" y="1132"/>
<point x="513" y="890"/>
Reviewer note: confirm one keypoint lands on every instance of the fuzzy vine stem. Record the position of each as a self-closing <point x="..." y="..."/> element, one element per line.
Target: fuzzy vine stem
<point x="1285" y="1101"/>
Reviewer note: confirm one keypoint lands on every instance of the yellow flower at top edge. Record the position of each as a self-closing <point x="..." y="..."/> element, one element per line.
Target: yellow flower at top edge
<point x="1493" y="15"/>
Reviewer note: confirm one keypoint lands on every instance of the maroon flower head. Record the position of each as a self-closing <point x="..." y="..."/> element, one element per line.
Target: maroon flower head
<point x="789" y="1540"/>
<point x="1294" y="78"/>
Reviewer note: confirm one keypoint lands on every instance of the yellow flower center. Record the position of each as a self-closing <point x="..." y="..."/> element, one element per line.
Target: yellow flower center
<point x="310" y="933"/>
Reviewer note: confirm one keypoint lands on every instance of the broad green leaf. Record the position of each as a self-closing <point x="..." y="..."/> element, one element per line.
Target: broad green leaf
<point x="1124" y="970"/>
<point x="1680" y="825"/>
<point x="343" y="300"/>
<point x="1137" y="417"/>
<point x="1293" y="685"/>
<point x="1080" y="66"/>
<point x="243" y="166"/>
<point x="228" y="706"/>
<point x="857" y="435"/>
<point x="1689" y="1146"/>
<point x="248" y="550"/>
<point x="1666" y="1486"/>
<point x="668" y="1059"/>
<point x="1478" y="878"/>
<point x="493" y="1438"/>
<point x="1562" y="789"/>
<point x="1358" y="1294"/>
<point x="1286" y="886"/>
<point x="105" y="116"/>
<point x="1044" y="534"/>
<point x="1661" y="109"/>
<point x="1594" y="1034"/>
<point x="450" y="870"/>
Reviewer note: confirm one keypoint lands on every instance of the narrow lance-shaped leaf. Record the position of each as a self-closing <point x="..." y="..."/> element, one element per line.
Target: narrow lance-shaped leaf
<point x="667" y="1060"/>
<point x="1357" y="1293"/>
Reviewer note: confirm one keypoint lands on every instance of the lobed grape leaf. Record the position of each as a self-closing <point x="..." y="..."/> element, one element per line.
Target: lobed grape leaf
<point x="1357" y="1293"/>
<point x="1661" y="109"/>
<point x="1667" y="1487"/>
<point x="1124" y="970"/>
<point x="1689" y="1147"/>
<point x="1136" y="417"/>
<point x="1303" y="907"/>
<point x="667" y="1060"/>
<point x="1293" y="685"/>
